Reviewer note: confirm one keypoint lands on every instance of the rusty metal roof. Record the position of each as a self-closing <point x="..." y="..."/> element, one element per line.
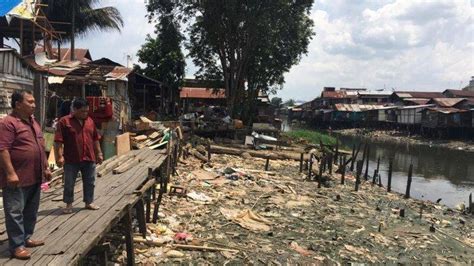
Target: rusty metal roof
<point x="448" y="110"/>
<point x="118" y="73"/>
<point x="338" y="94"/>
<point x="358" y="107"/>
<point x="460" y="93"/>
<point x="417" y="101"/>
<point x="418" y="94"/>
<point x="202" y="93"/>
<point x="446" y="102"/>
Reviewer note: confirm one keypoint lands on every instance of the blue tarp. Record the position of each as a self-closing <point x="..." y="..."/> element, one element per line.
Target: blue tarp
<point x="7" y="5"/>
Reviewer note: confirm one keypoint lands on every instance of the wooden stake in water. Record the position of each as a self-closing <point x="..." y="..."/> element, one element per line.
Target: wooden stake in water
<point x="471" y="206"/>
<point x="390" y="167"/>
<point x="267" y="163"/>
<point x="410" y="172"/>
<point x="374" y="177"/>
<point x="301" y="162"/>
<point x="366" y="176"/>
<point x="358" y="173"/>
<point x="343" y="170"/>
<point x="353" y="157"/>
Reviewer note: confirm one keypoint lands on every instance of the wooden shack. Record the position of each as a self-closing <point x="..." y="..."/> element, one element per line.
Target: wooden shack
<point x="411" y="115"/>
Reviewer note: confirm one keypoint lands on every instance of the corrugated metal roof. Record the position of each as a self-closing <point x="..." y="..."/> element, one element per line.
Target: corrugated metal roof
<point x="448" y="110"/>
<point x="446" y="102"/>
<point x="338" y="94"/>
<point x="419" y="94"/>
<point x="374" y="93"/>
<point x="417" y="106"/>
<point x="357" y="107"/>
<point x="418" y="101"/>
<point x="202" y="93"/>
<point x="460" y="93"/>
<point x="118" y="73"/>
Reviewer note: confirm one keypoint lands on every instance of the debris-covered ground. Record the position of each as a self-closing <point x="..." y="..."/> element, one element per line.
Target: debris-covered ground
<point x="235" y="212"/>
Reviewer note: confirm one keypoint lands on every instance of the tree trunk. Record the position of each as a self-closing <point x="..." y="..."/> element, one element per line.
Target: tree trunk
<point x="73" y="30"/>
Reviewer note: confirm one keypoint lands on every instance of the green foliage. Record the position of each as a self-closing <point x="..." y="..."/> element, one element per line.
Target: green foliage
<point x="276" y="101"/>
<point x="88" y="18"/>
<point x="162" y="55"/>
<point x="290" y="102"/>
<point x="312" y="136"/>
<point x="244" y="41"/>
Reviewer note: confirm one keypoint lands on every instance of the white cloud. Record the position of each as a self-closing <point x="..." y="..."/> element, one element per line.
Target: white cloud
<point x="416" y="44"/>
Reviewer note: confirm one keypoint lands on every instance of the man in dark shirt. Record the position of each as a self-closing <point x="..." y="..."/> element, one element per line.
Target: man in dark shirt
<point x="24" y="167"/>
<point x="77" y="147"/>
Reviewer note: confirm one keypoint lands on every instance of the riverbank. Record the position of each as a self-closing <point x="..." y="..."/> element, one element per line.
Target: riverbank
<point x="401" y="137"/>
<point x="233" y="211"/>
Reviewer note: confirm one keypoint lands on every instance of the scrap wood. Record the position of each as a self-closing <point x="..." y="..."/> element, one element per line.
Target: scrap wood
<point x="140" y="138"/>
<point x="154" y="135"/>
<point x="299" y="249"/>
<point x="273" y="155"/>
<point x="161" y="144"/>
<point x="204" y="248"/>
<point x="126" y="166"/>
<point x="247" y="219"/>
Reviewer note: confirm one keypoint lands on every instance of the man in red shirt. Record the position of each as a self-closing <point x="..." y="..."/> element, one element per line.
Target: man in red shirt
<point x="24" y="167"/>
<point x="77" y="147"/>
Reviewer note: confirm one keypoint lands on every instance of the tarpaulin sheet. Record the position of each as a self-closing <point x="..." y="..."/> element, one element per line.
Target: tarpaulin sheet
<point x="24" y="10"/>
<point x="7" y="5"/>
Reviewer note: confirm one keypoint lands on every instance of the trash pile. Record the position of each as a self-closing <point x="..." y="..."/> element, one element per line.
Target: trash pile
<point x="208" y="119"/>
<point x="230" y="210"/>
<point x="151" y="134"/>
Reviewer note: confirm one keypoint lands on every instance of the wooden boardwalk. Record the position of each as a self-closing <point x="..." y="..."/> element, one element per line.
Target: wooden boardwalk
<point x="69" y="237"/>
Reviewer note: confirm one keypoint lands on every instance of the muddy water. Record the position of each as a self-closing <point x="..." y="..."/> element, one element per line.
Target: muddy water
<point x="437" y="172"/>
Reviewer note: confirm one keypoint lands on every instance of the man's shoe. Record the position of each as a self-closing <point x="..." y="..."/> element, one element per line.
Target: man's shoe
<point x="33" y="243"/>
<point x="21" y="253"/>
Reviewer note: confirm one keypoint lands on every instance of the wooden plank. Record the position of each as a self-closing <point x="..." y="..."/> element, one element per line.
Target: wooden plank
<point x="123" y="143"/>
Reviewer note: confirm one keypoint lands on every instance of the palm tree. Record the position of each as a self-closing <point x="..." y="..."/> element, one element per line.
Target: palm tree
<point x="79" y="17"/>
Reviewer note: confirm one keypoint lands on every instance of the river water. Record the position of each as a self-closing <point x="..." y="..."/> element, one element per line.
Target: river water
<point x="437" y="172"/>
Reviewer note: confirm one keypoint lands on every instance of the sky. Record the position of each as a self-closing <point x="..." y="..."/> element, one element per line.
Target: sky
<point x="425" y="45"/>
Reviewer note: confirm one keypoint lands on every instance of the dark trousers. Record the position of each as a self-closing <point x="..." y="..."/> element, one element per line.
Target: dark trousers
<point x="88" y="181"/>
<point x="21" y="209"/>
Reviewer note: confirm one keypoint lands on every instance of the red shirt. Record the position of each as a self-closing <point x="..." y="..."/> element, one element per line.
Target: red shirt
<point x="25" y="143"/>
<point x="78" y="139"/>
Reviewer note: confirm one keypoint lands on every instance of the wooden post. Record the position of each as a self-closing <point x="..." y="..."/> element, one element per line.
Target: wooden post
<point x="301" y="162"/>
<point x="366" y="176"/>
<point x="471" y="206"/>
<point x="330" y="163"/>
<point x="353" y="157"/>
<point x="402" y="212"/>
<point x="389" y="182"/>
<point x="128" y="231"/>
<point x="320" y="175"/>
<point x="140" y="211"/>
<point x="343" y="170"/>
<point x="21" y="38"/>
<point x="374" y="177"/>
<point x="148" y="197"/>
<point x="358" y="173"/>
<point x="267" y="163"/>
<point x="336" y="156"/>
<point x="364" y="153"/>
<point x="410" y="172"/>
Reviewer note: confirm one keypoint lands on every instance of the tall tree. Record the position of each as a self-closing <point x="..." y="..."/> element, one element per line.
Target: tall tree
<point x="83" y="17"/>
<point x="245" y="42"/>
<point x="162" y="55"/>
